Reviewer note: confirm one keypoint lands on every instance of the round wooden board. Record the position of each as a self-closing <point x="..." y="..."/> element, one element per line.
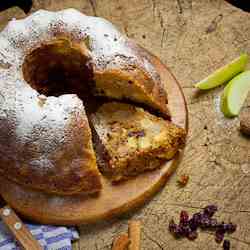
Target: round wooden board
<point x="113" y="199"/>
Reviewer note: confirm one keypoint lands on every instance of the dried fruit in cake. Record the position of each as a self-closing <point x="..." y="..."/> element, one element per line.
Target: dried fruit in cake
<point x="131" y="140"/>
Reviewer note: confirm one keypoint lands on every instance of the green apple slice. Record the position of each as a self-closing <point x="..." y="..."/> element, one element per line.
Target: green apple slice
<point x="234" y="94"/>
<point x="224" y="74"/>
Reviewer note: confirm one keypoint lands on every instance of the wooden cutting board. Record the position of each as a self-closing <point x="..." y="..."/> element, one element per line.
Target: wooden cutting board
<point x="113" y="199"/>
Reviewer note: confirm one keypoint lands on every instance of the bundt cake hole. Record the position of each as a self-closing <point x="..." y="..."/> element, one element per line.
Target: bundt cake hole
<point x="62" y="67"/>
<point x="59" y="67"/>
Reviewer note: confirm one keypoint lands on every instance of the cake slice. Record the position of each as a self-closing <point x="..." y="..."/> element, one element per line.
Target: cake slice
<point x="129" y="140"/>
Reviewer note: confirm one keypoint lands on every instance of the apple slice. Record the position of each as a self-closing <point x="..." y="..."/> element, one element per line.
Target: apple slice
<point x="234" y="94"/>
<point x="224" y="74"/>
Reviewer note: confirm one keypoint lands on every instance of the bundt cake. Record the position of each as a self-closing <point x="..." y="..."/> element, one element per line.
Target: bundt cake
<point x="51" y="63"/>
<point x="129" y="140"/>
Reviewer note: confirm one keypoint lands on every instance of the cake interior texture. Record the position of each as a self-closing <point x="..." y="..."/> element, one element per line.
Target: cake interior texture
<point x="129" y="140"/>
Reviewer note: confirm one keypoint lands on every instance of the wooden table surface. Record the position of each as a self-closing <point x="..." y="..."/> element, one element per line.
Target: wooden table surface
<point x="193" y="37"/>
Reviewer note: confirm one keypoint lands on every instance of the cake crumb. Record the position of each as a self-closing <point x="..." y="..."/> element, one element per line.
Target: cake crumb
<point x="183" y="180"/>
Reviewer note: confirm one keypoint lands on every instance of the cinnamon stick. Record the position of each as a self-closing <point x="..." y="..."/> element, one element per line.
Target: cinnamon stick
<point x="121" y="242"/>
<point x="134" y="232"/>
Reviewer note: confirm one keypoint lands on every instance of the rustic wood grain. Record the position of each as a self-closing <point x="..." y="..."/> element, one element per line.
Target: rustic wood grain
<point x="193" y="38"/>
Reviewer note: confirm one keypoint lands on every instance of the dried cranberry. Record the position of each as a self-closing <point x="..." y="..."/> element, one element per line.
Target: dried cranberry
<point x="213" y="224"/>
<point x="192" y="235"/>
<point x="185" y="230"/>
<point x="137" y="134"/>
<point x="183" y="217"/>
<point x="208" y="223"/>
<point x="230" y="228"/>
<point x="178" y="232"/>
<point x="226" y="245"/>
<point x="197" y="218"/>
<point x="174" y="229"/>
<point x="193" y="224"/>
<point x="221" y="227"/>
<point x="205" y="222"/>
<point x="210" y="210"/>
<point x="219" y="236"/>
<point x="188" y="227"/>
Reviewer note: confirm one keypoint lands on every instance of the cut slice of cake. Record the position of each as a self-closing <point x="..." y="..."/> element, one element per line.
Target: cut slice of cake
<point x="129" y="140"/>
